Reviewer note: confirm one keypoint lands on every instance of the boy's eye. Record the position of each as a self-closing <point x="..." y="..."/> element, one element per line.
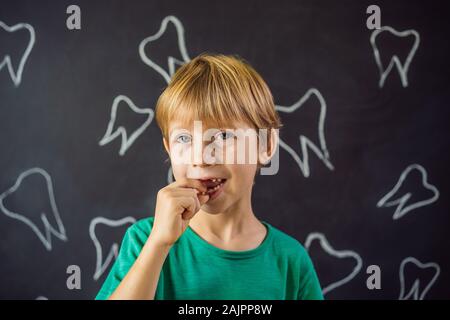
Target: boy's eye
<point x="184" y="138"/>
<point x="224" y="135"/>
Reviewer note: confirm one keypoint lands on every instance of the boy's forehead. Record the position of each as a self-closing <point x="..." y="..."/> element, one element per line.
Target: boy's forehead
<point x="205" y="125"/>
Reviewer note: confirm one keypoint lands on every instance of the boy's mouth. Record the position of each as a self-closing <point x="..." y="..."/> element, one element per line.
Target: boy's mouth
<point x="212" y="184"/>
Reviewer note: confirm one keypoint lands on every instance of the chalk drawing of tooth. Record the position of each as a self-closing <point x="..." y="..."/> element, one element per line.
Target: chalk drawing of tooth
<point x="29" y="217"/>
<point x="116" y="128"/>
<point x="182" y="55"/>
<point x="400" y="201"/>
<point x="340" y="254"/>
<point x="106" y="252"/>
<point x="417" y="291"/>
<point x="305" y="143"/>
<point x="7" y="61"/>
<point x="395" y="60"/>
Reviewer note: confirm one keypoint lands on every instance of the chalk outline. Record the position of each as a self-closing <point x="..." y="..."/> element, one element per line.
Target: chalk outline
<point x="400" y="202"/>
<point x="325" y="245"/>
<point x="17" y="77"/>
<point x="402" y="68"/>
<point x="125" y="142"/>
<point x="47" y="239"/>
<point x="304" y="141"/>
<point x="113" y="251"/>
<point x="415" y="287"/>
<point x="171" y="60"/>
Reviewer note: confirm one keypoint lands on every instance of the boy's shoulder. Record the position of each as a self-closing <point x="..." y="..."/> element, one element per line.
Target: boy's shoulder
<point x="141" y="228"/>
<point x="286" y="244"/>
<point x="143" y="224"/>
<point x="282" y="242"/>
<point x="282" y="238"/>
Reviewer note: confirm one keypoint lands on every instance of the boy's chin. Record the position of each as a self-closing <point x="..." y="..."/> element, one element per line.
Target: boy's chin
<point x="212" y="208"/>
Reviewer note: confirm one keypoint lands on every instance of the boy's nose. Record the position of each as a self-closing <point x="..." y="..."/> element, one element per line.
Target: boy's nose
<point x="199" y="156"/>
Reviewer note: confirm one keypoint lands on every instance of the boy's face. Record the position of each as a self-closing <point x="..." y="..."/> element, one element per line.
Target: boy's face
<point x="205" y="153"/>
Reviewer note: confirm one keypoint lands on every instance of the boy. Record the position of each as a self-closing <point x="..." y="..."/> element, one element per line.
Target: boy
<point x="204" y="241"/>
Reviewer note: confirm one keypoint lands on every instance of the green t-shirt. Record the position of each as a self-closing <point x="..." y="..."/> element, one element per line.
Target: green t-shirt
<point x="279" y="268"/>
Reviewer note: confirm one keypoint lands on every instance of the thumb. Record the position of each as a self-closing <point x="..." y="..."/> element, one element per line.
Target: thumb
<point x="189" y="215"/>
<point x="203" y="199"/>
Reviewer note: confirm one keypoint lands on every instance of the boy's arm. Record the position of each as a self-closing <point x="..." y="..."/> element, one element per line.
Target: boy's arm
<point x="136" y="248"/>
<point x="309" y="282"/>
<point x="136" y="272"/>
<point x="142" y="279"/>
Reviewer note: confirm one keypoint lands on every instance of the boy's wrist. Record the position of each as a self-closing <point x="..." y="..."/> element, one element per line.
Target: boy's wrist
<point x="154" y="242"/>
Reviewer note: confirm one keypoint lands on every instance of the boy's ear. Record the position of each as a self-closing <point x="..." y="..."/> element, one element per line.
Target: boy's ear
<point x="267" y="154"/>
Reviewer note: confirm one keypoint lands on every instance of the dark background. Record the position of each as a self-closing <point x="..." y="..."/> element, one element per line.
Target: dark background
<point x="56" y="117"/>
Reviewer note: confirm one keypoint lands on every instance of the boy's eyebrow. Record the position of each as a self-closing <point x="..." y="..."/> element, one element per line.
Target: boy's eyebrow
<point x="177" y="128"/>
<point x="174" y="130"/>
<point x="182" y="127"/>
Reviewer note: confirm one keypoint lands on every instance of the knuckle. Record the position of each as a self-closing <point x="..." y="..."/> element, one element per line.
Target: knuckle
<point x="164" y="193"/>
<point x="161" y="193"/>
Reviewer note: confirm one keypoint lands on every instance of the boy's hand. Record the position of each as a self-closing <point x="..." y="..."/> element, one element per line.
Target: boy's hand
<point x="176" y="204"/>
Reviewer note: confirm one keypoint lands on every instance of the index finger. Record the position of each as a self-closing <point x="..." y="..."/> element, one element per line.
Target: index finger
<point x="190" y="183"/>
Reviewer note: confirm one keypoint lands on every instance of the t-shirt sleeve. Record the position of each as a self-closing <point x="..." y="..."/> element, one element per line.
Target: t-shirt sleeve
<point x="309" y="288"/>
<point x="132" y="243"/>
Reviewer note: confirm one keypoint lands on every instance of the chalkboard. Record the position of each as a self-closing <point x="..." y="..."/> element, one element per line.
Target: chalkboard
<point x="364" y="152"/>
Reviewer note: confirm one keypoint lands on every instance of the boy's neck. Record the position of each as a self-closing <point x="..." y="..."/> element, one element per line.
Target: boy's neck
<point x="238" y="220"/>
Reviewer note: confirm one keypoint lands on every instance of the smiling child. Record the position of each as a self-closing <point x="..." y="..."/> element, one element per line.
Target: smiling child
<point x="205" y="241"/>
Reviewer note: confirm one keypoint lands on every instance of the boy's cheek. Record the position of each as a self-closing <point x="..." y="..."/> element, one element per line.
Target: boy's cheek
<point x="179" y="172"/>
<point x="242" y="175"/>
<point x="180" y="156"/>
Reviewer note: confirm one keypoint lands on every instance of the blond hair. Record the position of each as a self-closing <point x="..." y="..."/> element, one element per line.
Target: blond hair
<point x="218" y="90"/>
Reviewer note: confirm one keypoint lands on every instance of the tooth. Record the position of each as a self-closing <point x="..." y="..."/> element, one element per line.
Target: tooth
<point x="401" y="198"/>
<point x="414" y="290"/>
<point x="319" y="148"/>
<point x="402" y="67"/>
<point x="44" y="231"/>
<point x="117" y="121"/>
<point x="16" y="75"/>
<point x="213" y="180"/>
